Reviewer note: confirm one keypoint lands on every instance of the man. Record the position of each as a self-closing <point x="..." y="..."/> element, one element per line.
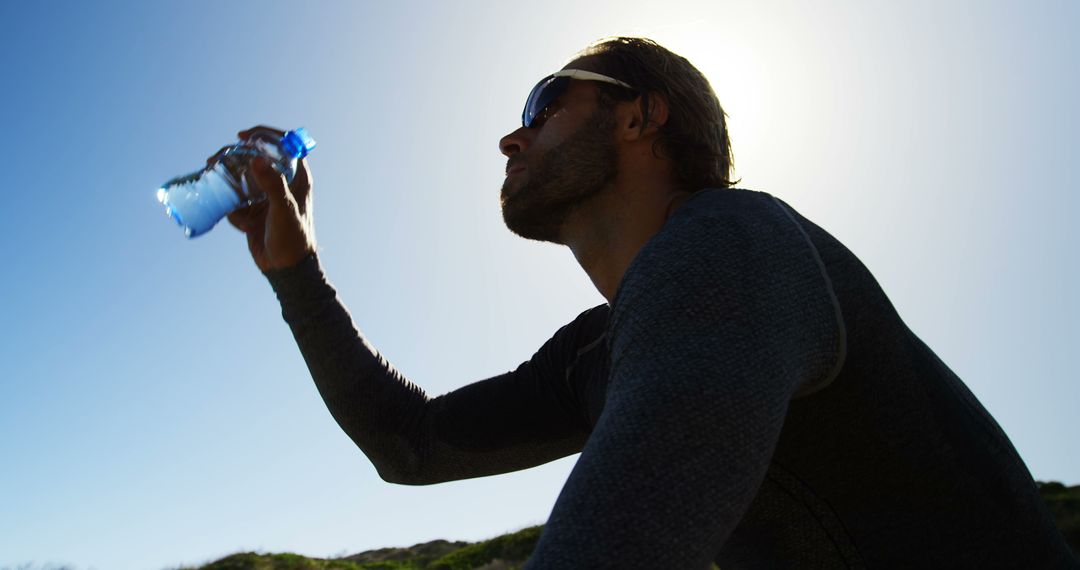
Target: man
<point x="747" y="395"/>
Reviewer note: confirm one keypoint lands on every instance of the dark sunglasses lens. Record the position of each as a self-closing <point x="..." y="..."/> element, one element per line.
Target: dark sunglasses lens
<point x="542" y="95"/>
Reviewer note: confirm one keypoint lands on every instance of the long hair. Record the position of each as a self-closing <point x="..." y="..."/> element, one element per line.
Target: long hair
<point x="695" y="136"/>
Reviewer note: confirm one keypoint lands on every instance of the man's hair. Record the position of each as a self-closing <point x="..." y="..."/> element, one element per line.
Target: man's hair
<point x="695" y="136"/>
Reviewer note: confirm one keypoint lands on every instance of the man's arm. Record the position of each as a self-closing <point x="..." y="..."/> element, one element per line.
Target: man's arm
<point x="717" y="323"/>
<point x="505" y="423"/>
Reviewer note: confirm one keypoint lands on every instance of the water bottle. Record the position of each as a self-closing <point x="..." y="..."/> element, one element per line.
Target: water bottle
<point x="199" y="200"/>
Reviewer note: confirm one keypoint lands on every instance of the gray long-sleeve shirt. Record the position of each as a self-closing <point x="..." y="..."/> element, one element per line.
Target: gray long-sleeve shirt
<point x="750" y="397"/>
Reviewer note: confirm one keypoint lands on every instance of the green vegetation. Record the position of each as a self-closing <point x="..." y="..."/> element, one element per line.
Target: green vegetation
<point x="1064" y="503"/>
<point x="420" y="556"/>
<point x="506" y="552"/>
<point x="510" y="551"/>
<point x="252" y="561"/>
<point x="506" y="548"/>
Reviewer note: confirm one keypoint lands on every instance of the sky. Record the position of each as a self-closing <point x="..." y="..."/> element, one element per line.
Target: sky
<point x="154" y="409"/>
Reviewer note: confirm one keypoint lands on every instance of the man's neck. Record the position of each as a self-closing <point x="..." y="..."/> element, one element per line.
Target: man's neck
<point x="607" y="232"/>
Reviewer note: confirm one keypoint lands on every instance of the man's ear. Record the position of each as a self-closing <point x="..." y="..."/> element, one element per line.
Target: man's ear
<point x="633" y="117"/>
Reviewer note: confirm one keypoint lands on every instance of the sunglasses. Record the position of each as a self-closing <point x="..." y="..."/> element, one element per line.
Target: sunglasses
<point x="554" y="85"/>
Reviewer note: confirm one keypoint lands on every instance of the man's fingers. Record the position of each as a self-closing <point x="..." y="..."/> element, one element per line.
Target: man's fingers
<point x="261" y="130"/>
<point x="218" y="154"/>
<point x="237" y="222"/>
<point x="249" y="218"/>
<point x="272" y="183"/>
<point x="301" y="184"/>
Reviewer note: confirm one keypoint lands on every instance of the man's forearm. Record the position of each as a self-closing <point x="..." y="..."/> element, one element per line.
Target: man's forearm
<point x="374" y="404"/>
<point x="505" y="423"/>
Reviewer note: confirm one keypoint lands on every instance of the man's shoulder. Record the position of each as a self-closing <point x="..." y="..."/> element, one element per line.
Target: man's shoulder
<point x="582" y="331"/>
<point x="591" y="323"/>
<point x="721" y="217"/>
<point x="727" y="203"/>
<point x="718" y="235"/>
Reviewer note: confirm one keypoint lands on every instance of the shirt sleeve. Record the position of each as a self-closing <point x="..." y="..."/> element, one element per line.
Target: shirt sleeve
<point x="508" y="422"/>
<point x="717" y="323"/>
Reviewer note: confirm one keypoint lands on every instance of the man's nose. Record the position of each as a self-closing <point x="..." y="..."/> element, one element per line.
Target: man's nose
<point x="515" y="142"/>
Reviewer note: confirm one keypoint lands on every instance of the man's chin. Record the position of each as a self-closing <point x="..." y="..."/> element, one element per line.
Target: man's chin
<point x="525" y="224"/>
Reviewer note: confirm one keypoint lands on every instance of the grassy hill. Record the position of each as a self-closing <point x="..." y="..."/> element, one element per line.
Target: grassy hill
<point x="510" y="551"/>
<point x="500" y="553"/>
<point x="1064" y="503"/>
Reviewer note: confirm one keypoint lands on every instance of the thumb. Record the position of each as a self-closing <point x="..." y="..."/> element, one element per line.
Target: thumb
<point x="270" y="181"/>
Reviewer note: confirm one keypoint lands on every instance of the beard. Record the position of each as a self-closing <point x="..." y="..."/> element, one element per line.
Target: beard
<point x="565" y="177"/>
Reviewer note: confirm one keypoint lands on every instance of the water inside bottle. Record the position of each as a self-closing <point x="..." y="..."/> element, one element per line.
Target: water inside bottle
<point x="198" y="200"/>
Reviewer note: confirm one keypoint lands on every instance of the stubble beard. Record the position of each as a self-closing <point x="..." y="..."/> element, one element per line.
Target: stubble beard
<point x="565" y="177"/>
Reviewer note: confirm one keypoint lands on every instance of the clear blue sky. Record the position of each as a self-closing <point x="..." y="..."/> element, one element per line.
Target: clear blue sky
<point x="154" y="410"/>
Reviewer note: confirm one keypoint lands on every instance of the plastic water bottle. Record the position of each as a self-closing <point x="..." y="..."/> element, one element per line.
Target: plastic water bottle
<point x="199" y="200"/>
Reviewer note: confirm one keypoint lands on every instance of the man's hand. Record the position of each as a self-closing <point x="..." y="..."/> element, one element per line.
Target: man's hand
<point x="280" y="230"/>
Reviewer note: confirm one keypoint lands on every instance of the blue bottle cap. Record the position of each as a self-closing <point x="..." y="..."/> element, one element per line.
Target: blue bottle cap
<point x="297" y="144"/>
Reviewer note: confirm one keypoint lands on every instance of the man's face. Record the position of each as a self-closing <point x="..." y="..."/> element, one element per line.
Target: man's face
<point x="558" y="164"/>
